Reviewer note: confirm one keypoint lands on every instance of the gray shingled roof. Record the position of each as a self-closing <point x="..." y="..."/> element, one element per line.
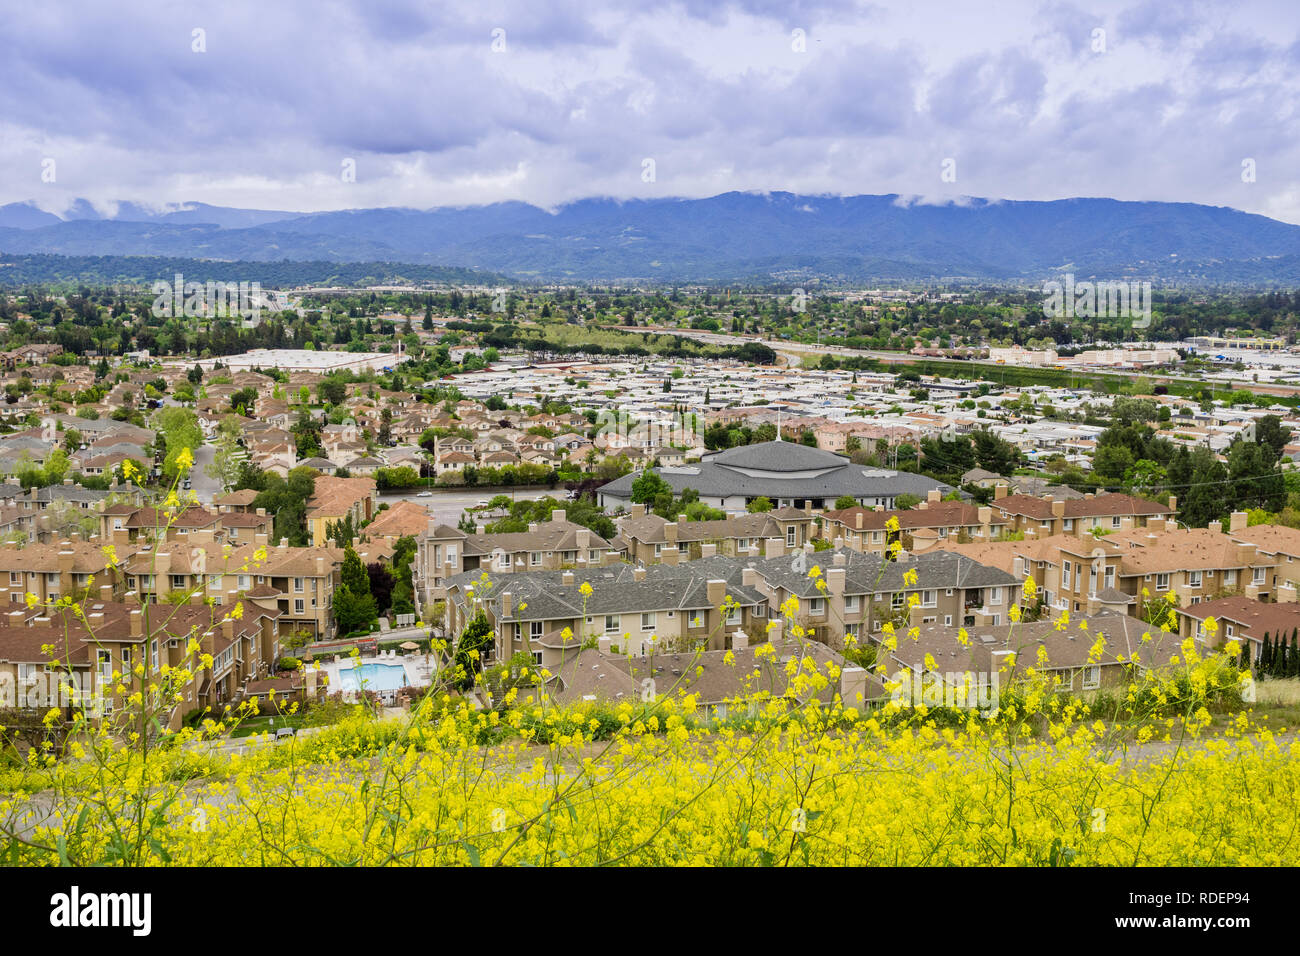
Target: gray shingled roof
<point x="777" y="456"/>
<point x="615" y="590"/>
<point x="864" y="573"/>
<point x="713" y="480"/>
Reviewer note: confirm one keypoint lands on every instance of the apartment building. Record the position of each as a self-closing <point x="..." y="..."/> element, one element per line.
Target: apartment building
<point x="444" y="552"/>
<point x="337" y="499"/>
<point x="550" y="615"/>
<point x="99" y="652"/>
<point x="720" y="681"/>
<point x="1050" y="516"/>
<point x="67" y="568"/>
<point x="1278" y="545"/>
<point x="1195" y="565"/>
<point x="1008" y="650"/>
<point x="295" y="584"/>
<point x="650" y="539"/>
<point x="862" y="591"/>
<point x="864" y="529"/>
<point x="1239" y="618"/>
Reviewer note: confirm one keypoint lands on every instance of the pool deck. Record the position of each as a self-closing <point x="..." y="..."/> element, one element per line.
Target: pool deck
<point x="418" y="672"/>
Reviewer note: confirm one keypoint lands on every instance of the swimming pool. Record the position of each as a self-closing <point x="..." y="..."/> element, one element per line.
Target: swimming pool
<point x="377" y="677"/>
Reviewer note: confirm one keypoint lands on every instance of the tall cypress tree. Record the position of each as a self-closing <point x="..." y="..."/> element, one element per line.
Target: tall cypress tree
<point x="1265" y="656"/>
<point x="1293" y="657"/>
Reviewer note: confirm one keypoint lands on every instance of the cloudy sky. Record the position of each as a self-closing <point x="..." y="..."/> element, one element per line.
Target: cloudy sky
<point x="269" y="104"/>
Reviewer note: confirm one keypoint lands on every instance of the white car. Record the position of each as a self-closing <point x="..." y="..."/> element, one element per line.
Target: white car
<point x="482" y="503"/>
<point x="425" y="494"/>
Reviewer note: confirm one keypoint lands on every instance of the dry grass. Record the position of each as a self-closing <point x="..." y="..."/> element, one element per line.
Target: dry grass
<point x="1278" y="693"/>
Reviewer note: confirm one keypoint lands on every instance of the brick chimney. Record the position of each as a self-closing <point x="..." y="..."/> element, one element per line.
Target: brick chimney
<point x="507" y="604"/>
<point x="638" y="511"/>
<point x="933" y="496"/>
<point x="1237" y="522"/>
<point x="999" y="491"/>
<point x="857" y="519"/>
<point x="137" y="623"/>
<point x="559" y="515"/>
<point x="670" y="532"/>
<point x="739" y="640"/>
<point x="708" y="549"/>
<point x="566" y="578"/>
<point x="638" y="574"/>
<point x="1058" y="508"/>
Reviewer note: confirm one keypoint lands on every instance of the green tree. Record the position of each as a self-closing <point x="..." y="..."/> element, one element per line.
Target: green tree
<point x="354" y="574"/>
<point x="179" y="430"/>
<point x="648" y="486"/>
<point x="353" y="612"/>
<point x="760" y="504"/>
<point x="471" y="648"/>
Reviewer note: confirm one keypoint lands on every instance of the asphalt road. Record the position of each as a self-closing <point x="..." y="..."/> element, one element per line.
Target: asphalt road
<point x="206" y="488"/>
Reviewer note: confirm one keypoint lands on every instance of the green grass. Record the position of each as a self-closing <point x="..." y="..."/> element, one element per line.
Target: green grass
<point x="262" y="724"/>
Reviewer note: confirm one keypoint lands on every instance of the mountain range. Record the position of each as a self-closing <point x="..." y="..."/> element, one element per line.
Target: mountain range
<point x="767" y="238"/>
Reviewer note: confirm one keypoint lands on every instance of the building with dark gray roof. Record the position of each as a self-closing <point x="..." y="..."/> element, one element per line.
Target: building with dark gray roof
<point x="787" y="473"/>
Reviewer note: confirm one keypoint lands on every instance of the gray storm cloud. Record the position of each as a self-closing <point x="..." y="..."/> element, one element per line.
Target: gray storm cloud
<point x="455" y="104"/>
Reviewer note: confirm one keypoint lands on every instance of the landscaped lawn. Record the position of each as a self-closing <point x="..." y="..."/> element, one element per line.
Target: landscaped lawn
<point x="264" y="724"/>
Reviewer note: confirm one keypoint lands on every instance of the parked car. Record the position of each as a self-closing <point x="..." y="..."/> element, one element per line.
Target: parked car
<point x="425" y="494"/>
<point x="482" y="503"/>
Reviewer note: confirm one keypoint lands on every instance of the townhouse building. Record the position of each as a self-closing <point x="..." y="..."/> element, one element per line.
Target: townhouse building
<point x="856" y="593"/>
<point x="550" y="615"/>
<point x="1123" y="571"/>
<point x="721" y="683"/>
<point x="1063" y="656"/>
<point x="444" y="552"/>
<point x="650" y="539"/>
<point x="1239" y="618"/>
<point x="67" y="568"/>
<point x="1106" y="512"/>
<point x="98" y="653"/>
<point x="337" y="499"/>
<point x="865" y="529"/>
